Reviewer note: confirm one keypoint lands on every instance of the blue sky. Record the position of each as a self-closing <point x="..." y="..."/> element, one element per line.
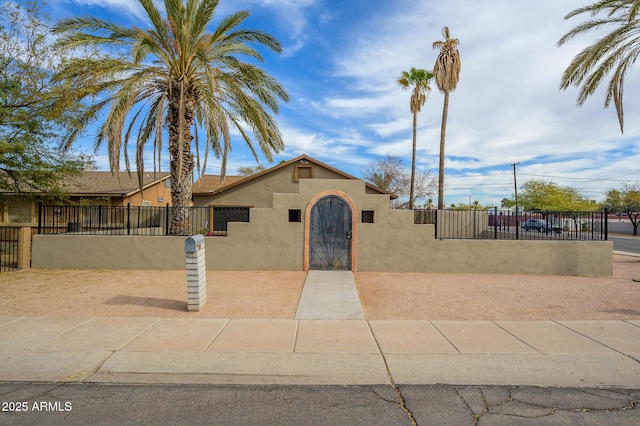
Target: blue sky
<point x="341" y="60"/>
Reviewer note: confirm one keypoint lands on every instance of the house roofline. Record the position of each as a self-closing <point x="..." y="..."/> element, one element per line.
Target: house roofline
<point x="295" y="160"/>
<point x="162" y="177"/>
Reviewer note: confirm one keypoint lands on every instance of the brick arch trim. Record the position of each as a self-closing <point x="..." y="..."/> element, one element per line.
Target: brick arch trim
<point x="354" y="225"/>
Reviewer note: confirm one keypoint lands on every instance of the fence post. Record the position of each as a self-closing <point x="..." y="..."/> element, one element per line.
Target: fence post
<point x="128" y="218"/>
<point x="517" y="226"/>
<point x="166" y="221"/>
<point x="435" y="223"/>
<point x="495" y="223"/>
<point x="39" y="217"/>
<point x="24" y="247"/>
<point x="606" y="223"/>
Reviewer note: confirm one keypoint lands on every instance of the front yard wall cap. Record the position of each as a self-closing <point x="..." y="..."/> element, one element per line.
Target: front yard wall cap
<point x="194" y="243"/>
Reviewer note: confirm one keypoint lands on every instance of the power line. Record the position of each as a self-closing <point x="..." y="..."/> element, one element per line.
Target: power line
<point x="578" y="179"/>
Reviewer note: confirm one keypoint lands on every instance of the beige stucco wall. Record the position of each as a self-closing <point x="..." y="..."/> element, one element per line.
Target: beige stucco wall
<point x="270" y="242"/>
<point x="429" y="255"/>
<point x="259" y="192"/>
<point x="107" y="252"/>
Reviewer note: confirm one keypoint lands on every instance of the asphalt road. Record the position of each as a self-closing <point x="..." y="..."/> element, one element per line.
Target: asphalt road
<point x="628" y="244"/>
<point x="81" y="404"/>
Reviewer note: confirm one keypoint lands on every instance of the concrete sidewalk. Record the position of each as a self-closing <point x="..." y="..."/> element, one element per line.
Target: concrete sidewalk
<point x="219" y="351"/>
<point x="329" y="295"/>
<point x="328" y="343"/>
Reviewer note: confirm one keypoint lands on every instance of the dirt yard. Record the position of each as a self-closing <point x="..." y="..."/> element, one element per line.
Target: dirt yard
<point x="235" y="295"/>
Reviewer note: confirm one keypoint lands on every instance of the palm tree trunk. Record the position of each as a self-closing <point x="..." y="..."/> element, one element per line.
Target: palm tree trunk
<point x="413" y="161"/>
<point x="443" y="133"/>
<point x="181" y="164"/>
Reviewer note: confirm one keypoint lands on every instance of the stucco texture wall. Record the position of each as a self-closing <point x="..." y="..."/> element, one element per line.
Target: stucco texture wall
<point x="583" y="258"/>
<point x="259" y="192"/>
<point x="269" y="241"/>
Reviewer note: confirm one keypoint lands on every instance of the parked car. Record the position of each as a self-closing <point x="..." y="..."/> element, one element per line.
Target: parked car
<point x="540" y="226"/>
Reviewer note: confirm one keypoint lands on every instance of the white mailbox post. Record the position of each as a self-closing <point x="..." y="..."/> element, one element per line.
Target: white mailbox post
<point x="196" y="272"/>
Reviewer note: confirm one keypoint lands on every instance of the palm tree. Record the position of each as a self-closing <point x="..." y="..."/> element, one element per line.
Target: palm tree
<point x="620" y="49"/>
<point x="446" y="72"/>
<point x="178" y="75"/>
<point x="418" y="79"/>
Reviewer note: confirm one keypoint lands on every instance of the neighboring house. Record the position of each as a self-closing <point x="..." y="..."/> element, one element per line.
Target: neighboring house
<point x="93" y="188"/>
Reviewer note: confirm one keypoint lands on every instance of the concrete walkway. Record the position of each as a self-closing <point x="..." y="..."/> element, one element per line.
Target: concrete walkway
<point x="220" y="351"/>
<point x="329" y="295"/>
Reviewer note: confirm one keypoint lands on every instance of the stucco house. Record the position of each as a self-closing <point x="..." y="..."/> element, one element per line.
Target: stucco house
<point x="302" y="214"/>
<point x="93" y="188"/>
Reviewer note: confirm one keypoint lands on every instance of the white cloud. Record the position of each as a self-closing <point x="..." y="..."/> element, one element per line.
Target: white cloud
<point x="507" y="104"/>
<point x="123" y="7"/>
<point x="341" y="62"/>
<point x="292" y="13"/>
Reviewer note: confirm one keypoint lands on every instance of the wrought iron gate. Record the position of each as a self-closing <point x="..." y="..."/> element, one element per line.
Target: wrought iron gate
<point x="330" y="234"/>
<point x="8" y="249"/>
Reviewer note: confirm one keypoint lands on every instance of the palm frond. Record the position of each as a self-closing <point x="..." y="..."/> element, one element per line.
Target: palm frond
<point x="176" y="77"/>
<point x="617" y="51"/>
<point x="446" y="70"/>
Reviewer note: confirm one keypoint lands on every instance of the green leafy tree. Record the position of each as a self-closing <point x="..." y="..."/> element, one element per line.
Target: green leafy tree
<point x="418" y="81"/>
<point x="34" y="114"/>
<point x="537" y="195"/>
<point x="178" y="73"/>
<point x="475" y="205"/>
<point x="626" y="200"/>
<point x="615" y="52"/>
<point x="507" y="203"/>
<point x="446" y="71"/>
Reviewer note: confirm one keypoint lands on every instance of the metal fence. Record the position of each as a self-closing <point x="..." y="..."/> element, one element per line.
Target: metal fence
<point x="135" y="220"/>
<point x="9" y="248"/>
<point x="514" y="225"/>
<point x="212" y="221"/>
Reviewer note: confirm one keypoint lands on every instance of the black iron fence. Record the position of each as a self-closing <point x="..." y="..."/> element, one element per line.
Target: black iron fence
<point x="213" y="221"/>
<point x="9" y="248"/>
<point x="514" y="225"/>
<point x="135" y="220"/>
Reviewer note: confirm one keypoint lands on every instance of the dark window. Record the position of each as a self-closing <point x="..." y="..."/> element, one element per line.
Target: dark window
<point x="295" y="215"/>
<point x="223" y="215"/>
<point x="368" y="216"/>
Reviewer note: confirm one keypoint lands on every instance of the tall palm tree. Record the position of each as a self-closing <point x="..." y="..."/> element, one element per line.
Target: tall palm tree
<point x="447" y="73"/>
<point x="175" y="76"/>
<point x="620" y="49"/>
<point x="418" y="79"/>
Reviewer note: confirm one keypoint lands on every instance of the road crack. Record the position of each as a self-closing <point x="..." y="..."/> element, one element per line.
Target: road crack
<point x="401" y="401"/>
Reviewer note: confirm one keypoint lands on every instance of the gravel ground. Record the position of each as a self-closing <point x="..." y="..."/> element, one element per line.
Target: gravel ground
<point x="268" y="294"/>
